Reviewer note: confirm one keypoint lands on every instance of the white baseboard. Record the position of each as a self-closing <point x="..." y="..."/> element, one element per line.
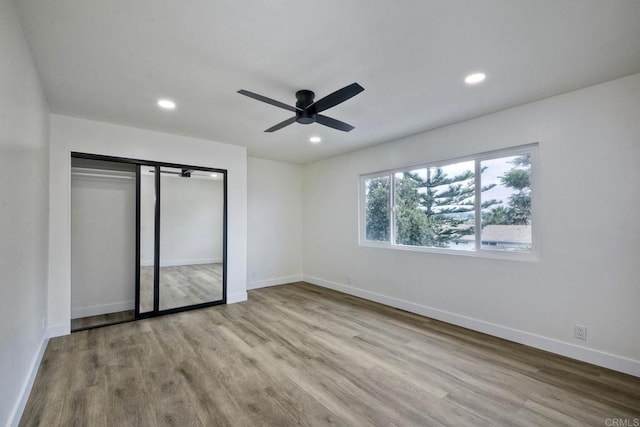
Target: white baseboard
<point x="95" y="310"/>
<point x="179" y="262"/>
<point x="273" y="282"/>
<point x="596" y="357"/>
<point x="236" y="297"/>
<point x="18" y="409"/>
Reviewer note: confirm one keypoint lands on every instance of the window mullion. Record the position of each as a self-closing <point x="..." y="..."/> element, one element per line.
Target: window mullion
<point x="478" y="205"/>
<point x="392" y="209"/>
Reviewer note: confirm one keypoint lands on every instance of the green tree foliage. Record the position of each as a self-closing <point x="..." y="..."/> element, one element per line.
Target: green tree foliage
<point x="497" y="215"/>
<point x="518" y="209"/>
<point x="411" y="221"/>
<point x="435" y="210"/>
<point x="377" y="210"/>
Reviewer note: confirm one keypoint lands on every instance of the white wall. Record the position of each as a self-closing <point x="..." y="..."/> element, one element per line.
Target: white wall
<point x="274" y="222"/>
<point x="103" y="245"/>
<point x="24" y="191"/>
<point x="589" y="170"/>
<point x="73" y="134"/>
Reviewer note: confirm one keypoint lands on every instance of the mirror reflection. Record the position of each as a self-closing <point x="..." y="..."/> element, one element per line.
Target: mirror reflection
<point x="191" y="237"/>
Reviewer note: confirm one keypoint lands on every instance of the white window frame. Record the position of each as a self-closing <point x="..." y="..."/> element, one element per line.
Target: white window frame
<point x="532" y="255"/>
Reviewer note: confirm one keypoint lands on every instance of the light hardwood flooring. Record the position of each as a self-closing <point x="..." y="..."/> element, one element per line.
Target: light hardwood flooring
<point x="300" y="354"/>
<point x="181" y="285"/>
<point x="102" y="319"/>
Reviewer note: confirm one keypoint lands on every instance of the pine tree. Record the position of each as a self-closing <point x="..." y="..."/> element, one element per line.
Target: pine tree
<point x="436" y="210"/>
<point x="518" y="209"/>
<point x="431" y="208"/>
<point x="411" y="222"/>
<point x="519" y="178"/>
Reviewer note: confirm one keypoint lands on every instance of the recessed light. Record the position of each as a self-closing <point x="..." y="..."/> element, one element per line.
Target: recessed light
<point x="166" y="104"/>
<point x="475" y="78"/>
<point x="214" y="175"/>
<point x="315" y="139"/>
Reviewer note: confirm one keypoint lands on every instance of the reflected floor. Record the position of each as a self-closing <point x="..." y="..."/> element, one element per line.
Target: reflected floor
<point x="101" y="320"/>
<point x="181" y="285"/>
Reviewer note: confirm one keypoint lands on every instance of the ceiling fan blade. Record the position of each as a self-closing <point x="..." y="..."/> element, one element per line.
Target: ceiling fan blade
<point x="336" y="97"/>
<point x="333" y="123"/>
<point x="268" y="100"/>
<point x="281" y="125"/>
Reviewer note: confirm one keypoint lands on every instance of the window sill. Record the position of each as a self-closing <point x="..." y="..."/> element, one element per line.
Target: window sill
<point x="483" y="253"/>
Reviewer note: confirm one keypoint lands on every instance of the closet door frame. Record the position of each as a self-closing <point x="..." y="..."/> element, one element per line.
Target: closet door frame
<point x="156" y="276"/>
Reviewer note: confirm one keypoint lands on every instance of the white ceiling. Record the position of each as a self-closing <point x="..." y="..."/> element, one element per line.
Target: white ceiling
<point x="110" y="60"/>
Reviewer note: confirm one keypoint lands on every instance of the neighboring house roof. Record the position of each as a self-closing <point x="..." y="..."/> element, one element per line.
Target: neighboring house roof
<point x="504" y="234"/>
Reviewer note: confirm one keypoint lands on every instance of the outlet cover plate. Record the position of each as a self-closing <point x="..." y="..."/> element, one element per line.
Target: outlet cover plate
<point x="580" y="332"/>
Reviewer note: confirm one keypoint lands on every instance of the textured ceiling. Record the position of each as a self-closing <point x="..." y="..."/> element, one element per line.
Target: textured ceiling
<point x="111" y="60"/>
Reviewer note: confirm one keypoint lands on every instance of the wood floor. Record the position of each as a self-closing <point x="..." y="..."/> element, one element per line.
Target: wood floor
<point x="300" y="354"/>
<point x="181" y="285"/>
<point x="102" y="319"/>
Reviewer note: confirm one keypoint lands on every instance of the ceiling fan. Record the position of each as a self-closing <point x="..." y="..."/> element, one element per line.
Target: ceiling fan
<point x="185" y="173"/>
<point x="307" y="111"/>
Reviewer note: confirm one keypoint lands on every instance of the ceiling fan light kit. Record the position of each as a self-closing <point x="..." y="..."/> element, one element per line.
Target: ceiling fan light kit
<point x="307" y="111"/>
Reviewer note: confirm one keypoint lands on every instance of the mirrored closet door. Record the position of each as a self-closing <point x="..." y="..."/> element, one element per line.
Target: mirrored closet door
<point x="182" y="238"/>
<point x="168" y="234"/>
<point x="191" y="238"/>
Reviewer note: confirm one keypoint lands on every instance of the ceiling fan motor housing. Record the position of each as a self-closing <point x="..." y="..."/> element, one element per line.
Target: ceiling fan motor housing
<point x="305" y="98"/>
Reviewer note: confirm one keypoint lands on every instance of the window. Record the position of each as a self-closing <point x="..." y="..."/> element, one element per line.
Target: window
<point x="377" y="208"/>
<point x="506" y="203"/>
<point x="481" y="204"/>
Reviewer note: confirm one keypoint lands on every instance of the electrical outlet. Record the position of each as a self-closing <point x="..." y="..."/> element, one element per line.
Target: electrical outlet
<point x="580" y="332"/>
<point x="349" y="279"/>
<point x="253" y="274"/>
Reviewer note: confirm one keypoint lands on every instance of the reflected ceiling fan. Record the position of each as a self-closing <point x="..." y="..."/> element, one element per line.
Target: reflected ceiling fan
<point x="307" y="111"/>
<point x="185" y="173"/>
